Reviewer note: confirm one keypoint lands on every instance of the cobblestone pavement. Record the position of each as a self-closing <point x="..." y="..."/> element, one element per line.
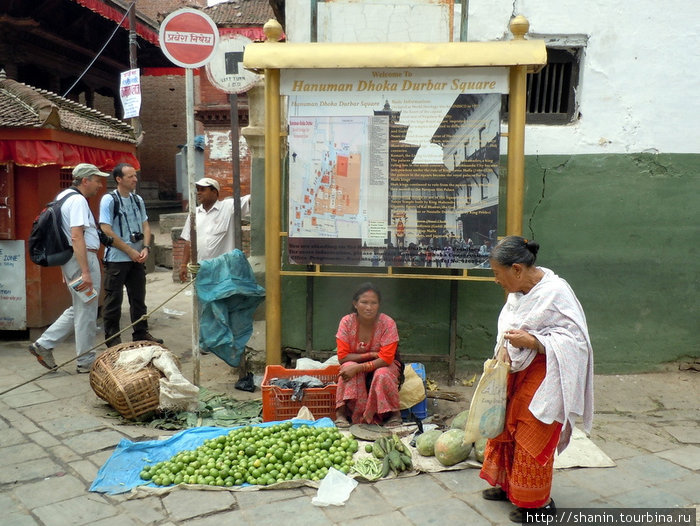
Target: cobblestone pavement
<point x="55" y="434"/>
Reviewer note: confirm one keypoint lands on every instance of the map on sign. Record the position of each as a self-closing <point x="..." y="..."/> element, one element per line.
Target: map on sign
<point x="338" y="182"/>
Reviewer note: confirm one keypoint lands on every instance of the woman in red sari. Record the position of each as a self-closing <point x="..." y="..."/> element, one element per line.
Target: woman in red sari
<point x="370" y="368"/>
<point x="551" y="380"/>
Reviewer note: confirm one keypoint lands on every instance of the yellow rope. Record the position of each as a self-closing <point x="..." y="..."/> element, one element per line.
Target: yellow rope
<point x="144" y="317"/>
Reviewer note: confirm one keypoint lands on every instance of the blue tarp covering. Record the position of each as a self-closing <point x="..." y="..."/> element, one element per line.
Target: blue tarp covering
<point x="120" y="473"/>
<point x="228" y="296"/>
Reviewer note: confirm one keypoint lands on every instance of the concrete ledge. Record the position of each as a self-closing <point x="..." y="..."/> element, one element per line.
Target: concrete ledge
<point x="164" y="256"/>
<point x="168" y="221"/>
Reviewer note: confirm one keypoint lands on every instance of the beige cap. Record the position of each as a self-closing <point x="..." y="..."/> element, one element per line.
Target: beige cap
<point x="84" y="170"/>
<point x="208" y="181"/>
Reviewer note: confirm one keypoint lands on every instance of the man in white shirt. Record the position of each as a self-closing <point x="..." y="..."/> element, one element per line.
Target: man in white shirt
<point x="215" y="227"/>
<point x="80" y="318"/>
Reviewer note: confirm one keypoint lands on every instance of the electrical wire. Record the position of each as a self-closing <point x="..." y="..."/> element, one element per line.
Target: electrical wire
<point x="132" y="6"/>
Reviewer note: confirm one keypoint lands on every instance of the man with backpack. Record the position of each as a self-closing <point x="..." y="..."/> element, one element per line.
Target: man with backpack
<point x="123" y="219"/>
<point x="83" y="268"/>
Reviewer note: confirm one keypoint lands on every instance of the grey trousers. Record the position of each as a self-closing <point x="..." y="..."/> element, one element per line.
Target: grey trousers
<point x="80" y="318"/>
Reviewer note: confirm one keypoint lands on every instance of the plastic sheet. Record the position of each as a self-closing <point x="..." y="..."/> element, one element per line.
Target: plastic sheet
<point x="120" y="474"/>
<point x="228" y="295"/>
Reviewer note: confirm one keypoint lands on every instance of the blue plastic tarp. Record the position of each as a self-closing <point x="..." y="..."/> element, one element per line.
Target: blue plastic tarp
<point x="120" y="473"/>
<point x="228" y="296"/>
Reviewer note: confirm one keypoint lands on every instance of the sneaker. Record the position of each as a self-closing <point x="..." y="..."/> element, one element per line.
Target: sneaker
<point x="147" y="336"/>
<point x="83" y="369"/>
<point x="43" y="355"/>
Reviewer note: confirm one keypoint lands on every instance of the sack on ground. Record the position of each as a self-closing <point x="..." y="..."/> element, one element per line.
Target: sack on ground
<point x="487" y="411"/>
<point x="412" y="390"/>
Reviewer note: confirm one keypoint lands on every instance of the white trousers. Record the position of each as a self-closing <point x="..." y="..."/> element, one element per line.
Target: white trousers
<point x="80" y="318"/>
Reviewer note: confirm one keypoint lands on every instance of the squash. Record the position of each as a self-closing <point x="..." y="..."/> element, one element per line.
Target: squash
<point x="479" y="447"/>
<point x="450" y="448"/>
<point x="460" y="421"/>
<point x="425" y="443"/>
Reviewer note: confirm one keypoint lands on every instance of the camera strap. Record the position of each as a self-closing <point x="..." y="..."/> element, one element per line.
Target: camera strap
<point x="119" y="211"/>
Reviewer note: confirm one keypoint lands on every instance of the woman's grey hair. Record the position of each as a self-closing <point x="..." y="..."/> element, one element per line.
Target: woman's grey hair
<point x="515" y="249"/>
<point x="365" y="287"/>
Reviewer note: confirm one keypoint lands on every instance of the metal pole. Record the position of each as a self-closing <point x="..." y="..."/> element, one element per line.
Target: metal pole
<point x="191" y="178"/>
<point x="273" y="253"/>
<point x="236" y="160"/>
<point x="135" y="121"/>
<point x="464" y="21"/>
<point x="516" y="151"/>
<point x="309" y="314"/>
<point x="515" y="187"/>
<point x="452" y="359"/>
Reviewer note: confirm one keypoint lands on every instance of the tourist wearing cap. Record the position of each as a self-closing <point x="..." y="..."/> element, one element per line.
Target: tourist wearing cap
<point x="80" y="318"/>
<point x="215" y="227"/>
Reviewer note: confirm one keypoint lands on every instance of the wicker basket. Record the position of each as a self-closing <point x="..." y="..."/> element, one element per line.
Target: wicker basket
<point x="132" y="394"/>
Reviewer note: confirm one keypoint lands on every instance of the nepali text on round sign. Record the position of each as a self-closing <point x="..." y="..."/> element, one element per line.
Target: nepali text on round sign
<point x="188" y="38"/>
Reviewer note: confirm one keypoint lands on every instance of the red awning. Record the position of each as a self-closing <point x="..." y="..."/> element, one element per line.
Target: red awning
<point x="116" y="15"/>
<point x="42" y="153"/>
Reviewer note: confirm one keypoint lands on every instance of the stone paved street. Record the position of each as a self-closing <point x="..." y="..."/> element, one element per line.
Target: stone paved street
<point x="55" y="434"/>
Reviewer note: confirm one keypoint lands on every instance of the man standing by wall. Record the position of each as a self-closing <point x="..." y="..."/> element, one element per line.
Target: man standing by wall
<point x="80" y="318"/>
<point x="123" y="218"/>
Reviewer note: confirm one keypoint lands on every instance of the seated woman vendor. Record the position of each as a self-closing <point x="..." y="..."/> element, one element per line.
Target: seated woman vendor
<point x="370" y="368"/>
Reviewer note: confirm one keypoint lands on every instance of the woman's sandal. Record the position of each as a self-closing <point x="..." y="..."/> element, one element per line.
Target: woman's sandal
<point x="342" y="422"/>
<point x="494" y="494"/>
<point x="394" y="421"/>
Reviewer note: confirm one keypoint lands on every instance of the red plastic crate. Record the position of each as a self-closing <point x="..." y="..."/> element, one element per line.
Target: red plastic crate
<point x="278" y="403"/>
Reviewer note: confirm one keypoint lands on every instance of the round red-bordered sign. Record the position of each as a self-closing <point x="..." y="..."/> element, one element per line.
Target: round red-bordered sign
<point x="188" y="37"/>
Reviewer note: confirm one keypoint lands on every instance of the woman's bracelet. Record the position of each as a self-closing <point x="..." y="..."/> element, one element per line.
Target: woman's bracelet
<point x="368" y="367"/>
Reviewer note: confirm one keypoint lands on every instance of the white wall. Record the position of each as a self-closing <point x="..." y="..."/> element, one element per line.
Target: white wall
<point x="640" y="77"/>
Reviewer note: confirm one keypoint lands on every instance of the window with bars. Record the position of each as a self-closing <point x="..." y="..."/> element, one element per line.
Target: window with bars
<point x="65" y="178"/>
<point x="551" y="93"/>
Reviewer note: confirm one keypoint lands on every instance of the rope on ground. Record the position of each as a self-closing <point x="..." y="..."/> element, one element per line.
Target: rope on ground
<point x="103" y="342"/>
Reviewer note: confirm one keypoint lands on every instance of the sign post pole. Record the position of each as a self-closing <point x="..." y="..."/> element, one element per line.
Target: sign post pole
<point x="188" y="38"/>
<point x="226" y="72"/>
<point x="236" y="169"/>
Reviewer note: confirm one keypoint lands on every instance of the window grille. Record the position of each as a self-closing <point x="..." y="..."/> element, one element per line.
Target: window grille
<point x="551" y="93"/>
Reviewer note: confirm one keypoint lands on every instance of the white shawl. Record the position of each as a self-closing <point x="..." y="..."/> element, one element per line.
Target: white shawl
<point x="551" y="312"/>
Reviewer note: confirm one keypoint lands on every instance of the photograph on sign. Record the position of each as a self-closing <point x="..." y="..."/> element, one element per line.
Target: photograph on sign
<point x="130" y="93"/>
<point x="394" y="167"/>
<point x="225" y="69"/>
<point x="188" y="38"/>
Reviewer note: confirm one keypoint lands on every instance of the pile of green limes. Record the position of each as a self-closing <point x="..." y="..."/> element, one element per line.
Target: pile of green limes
<point x="258" y="455"/>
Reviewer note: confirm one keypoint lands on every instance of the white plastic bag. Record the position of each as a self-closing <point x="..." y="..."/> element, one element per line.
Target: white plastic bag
<point x="487" y="412"/>
<point x="335" y="489"/>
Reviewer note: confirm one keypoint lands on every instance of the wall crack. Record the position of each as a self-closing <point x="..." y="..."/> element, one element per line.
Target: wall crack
<point x="545" y="170"/>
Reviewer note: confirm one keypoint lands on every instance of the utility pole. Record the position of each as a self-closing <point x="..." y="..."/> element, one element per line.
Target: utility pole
<point x="135" y="121"/>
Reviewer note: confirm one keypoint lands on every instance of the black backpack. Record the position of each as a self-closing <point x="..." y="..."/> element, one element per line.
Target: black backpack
<point x="48" y="245"/>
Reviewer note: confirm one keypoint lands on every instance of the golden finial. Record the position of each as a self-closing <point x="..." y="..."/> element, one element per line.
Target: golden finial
<point x="519" y="26"/>
<point x="272" y="30"/>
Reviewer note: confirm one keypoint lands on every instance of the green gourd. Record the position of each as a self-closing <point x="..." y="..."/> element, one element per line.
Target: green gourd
<point x="425" y="443"/>
<point x="460" y="421"/>
<point x="450" y="448"/>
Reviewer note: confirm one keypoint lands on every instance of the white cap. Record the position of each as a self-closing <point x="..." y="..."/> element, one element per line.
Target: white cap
<point x="208" y="181"/>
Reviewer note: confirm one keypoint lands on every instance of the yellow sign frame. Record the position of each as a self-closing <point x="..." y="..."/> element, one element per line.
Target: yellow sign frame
<point x="519" y="55"/>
